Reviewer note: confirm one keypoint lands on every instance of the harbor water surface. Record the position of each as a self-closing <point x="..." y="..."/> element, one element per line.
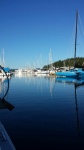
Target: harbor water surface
<point x="48" y="113"/>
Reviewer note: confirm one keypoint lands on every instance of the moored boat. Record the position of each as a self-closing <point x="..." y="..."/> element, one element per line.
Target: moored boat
<point x="75" y="72"/>
<point x="40" y="71"/>
<point x="67" y="74"/>
<point x="5" y="71"/>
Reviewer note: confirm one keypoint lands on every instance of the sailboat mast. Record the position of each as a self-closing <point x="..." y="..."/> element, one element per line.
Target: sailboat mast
<point x="76" y="38"/>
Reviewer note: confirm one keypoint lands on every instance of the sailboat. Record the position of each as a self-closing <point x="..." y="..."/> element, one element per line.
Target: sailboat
<point x="75" y="72"/>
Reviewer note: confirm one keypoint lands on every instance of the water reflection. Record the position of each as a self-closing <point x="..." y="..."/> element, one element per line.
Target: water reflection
<point x="42" y="109"/>
<point x="40" y="81"/>
<point x="76" y="83"/>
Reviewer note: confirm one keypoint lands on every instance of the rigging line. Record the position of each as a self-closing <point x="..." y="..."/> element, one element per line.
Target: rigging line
<point x="80" y="40"/>
<point x="80" y="32"/>
<point x="81" y="24"/>
<point x="70" y="47"/>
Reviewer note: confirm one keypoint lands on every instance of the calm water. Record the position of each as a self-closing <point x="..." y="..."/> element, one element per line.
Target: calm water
<point x="47" y="114"/>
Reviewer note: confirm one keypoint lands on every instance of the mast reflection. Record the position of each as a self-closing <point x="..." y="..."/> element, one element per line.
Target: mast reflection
<point x="77" y="83"/>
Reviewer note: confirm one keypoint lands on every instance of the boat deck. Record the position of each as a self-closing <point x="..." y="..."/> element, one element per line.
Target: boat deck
<point x="5" y="141"/>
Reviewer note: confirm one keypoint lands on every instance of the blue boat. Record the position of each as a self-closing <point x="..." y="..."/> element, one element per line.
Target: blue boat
<point x="81" y="72"/>
<point x="74" y="73"/>
<point x="70" y="73"/>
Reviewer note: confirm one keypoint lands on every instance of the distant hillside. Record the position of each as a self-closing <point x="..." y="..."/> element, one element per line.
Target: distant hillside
<point x="67" y="62"/>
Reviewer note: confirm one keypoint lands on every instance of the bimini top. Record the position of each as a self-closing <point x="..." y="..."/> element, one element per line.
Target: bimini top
<point x="6" y="69"/>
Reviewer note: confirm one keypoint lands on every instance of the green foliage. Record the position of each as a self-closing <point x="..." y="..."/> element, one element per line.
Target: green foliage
<point x="68" y="62"/>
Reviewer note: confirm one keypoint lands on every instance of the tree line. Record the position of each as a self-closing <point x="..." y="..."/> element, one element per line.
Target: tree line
<point x="67" y="62"/>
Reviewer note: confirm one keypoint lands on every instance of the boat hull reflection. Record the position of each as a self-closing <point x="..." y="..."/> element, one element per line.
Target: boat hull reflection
<point x="76" y="81"/>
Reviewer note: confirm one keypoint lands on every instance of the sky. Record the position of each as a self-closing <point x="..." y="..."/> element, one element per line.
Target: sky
<point x="31" y="29"/>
